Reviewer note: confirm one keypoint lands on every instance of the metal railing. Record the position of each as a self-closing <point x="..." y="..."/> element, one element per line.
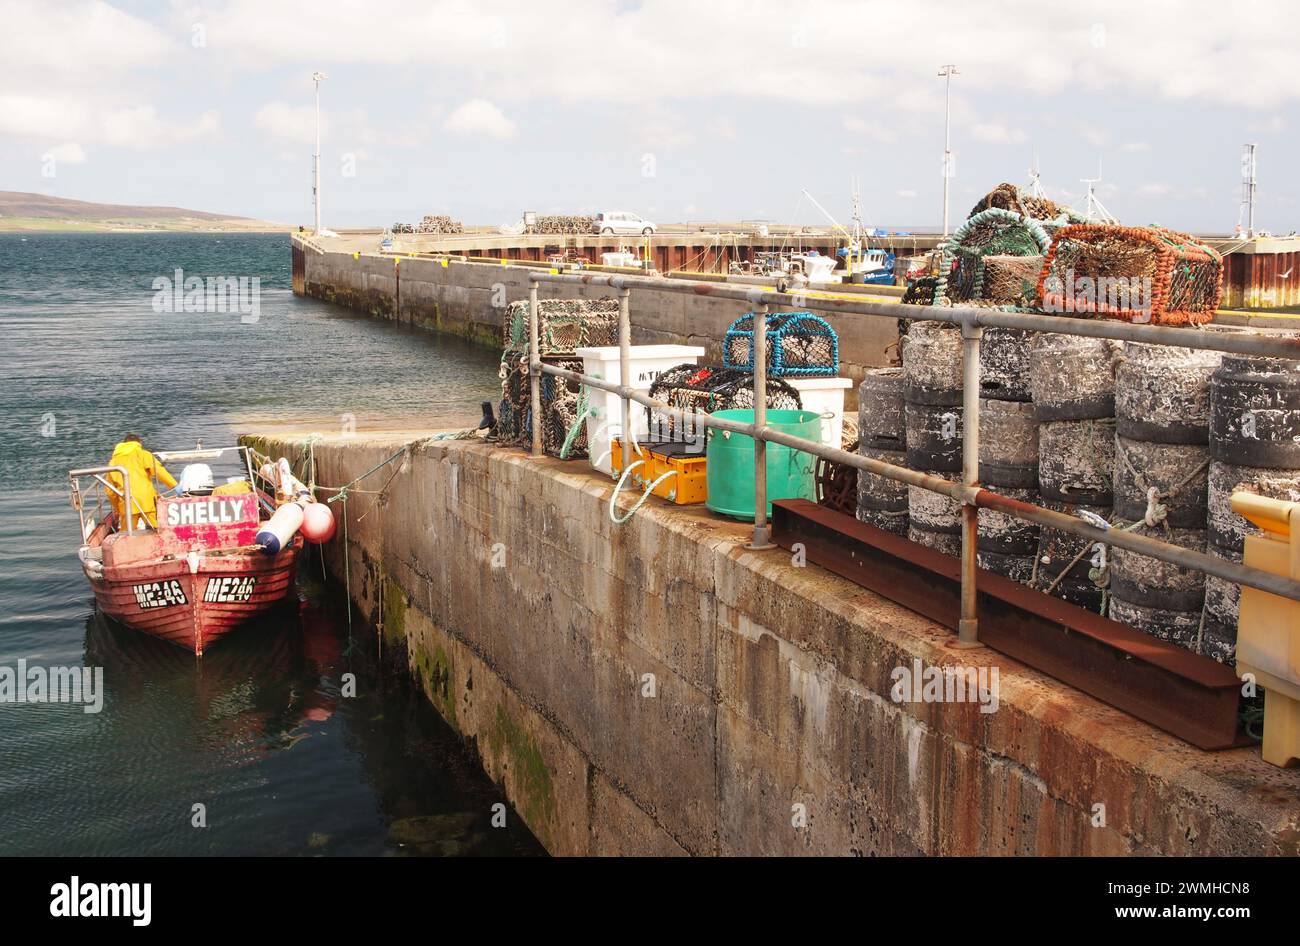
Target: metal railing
<point x="968" y="492"/>
<point x="98" y="474"/>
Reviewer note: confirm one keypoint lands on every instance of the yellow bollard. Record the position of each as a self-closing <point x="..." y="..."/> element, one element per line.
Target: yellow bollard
<point x="1268" y="630"/>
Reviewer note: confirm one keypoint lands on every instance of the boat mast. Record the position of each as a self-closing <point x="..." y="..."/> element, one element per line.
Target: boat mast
<point x="834" y="222"/>
<point x="1094" y="211"/>
<point x="1035" y="182"/>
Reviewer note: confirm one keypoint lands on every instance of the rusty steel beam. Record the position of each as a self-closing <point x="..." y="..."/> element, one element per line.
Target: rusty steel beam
<point x="1189" y="696"/>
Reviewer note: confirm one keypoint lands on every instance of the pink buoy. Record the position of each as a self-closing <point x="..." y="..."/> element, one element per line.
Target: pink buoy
<point x="318" y="523"/>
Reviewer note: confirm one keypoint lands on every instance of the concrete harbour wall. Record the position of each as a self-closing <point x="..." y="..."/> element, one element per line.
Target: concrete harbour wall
<point x="531" y="622"/>
<point x="469" y="299"/>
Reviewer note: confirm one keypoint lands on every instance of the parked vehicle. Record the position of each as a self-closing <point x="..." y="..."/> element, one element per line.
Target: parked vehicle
<point x="621" y="222"/>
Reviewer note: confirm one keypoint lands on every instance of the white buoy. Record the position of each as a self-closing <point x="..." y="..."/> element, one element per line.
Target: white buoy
<point x="288" y="485"/>
<point x="278" y="531"/>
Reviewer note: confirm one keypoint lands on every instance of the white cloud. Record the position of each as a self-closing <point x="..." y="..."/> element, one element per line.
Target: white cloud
<point x="657" y="128"/>
<point x="879" y="131"/>
<point x="75" y="45"/>
<point x="753" y="50"/>
<point x="480" y="118"/>
<point x="285" y="122"/>
<point x="1134" y="147"/>
<point x="725" y="129"/>
<point x="997" y="133"/>
<point x="1097" y="137"/>
<point x="137" y="127"/>
<point x="1274" y="124"/>
<point x="67" y="153"/>
<point x="1149" y="191"/>
<point x="79" y="71"/>
<point x="142" y="127"/>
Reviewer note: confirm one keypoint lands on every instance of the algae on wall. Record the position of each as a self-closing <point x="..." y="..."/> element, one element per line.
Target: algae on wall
<point x="534" y="792"/>
<point x="437" y="673"/>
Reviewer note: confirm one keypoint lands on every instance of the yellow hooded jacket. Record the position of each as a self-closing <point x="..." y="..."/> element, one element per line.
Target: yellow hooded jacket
<point x="143" y="469"/>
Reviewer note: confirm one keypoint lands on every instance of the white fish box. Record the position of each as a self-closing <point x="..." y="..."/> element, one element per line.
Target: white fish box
<point x="647" y="363"/>
<point x="826" y="397"/>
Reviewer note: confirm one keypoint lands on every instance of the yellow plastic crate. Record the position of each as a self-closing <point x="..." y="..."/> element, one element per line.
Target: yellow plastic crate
<point x="687" y="487"/>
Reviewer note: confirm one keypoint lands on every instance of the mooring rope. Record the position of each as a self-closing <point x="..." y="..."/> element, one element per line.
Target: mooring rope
<point x="341" y="496"/>
<point x="341" y="492"/>
<point x="613" y="497"/>
<point x="1156" y="513"/>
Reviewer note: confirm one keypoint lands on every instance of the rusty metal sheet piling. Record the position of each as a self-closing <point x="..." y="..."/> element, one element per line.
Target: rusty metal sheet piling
<point x="1189" y="696"/>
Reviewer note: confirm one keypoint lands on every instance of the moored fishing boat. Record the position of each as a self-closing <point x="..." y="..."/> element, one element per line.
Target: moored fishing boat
<point x="208" y="559"/>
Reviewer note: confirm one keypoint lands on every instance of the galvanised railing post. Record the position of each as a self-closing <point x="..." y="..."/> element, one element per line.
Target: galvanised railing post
<point x="627" y="434"/>
<point x="535" y="368"/>
<point x="762" y="538"/>
<point x="968" y="625"/>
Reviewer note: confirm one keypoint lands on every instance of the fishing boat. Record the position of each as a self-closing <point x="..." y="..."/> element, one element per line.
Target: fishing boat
<point x="216" y="557"/>
<point x="811" y="265"/>
<point x="867" y="265"/>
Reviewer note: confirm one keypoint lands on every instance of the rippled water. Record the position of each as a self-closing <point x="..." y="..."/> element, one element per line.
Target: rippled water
<point x="256" y="731"/>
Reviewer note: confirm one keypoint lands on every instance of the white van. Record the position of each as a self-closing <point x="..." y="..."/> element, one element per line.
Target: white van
<point x="620" y="222"/>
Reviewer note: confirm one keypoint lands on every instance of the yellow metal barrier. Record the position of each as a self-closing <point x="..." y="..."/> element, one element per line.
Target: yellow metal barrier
<point x="1268" y="630"/>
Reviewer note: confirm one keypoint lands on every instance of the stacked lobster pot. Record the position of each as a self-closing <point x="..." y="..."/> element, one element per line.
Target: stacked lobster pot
<point x="1254" y="445"/>
<point x="932" y="412"/>
<point x="564" y="325"/>
<point x="1008" y="451"/>
<point x="882" y="502"/>
<point x="1162" y="412"/>
<point x="1073" y="382"/>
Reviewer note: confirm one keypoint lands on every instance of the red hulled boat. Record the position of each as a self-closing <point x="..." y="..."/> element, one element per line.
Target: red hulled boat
<point x="213" y="561"/>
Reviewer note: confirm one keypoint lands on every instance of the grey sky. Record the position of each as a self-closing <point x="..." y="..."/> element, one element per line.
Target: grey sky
<point x="678" y="110"/>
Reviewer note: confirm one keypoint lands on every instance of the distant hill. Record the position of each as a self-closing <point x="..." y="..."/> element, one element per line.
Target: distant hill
<point x="19" y="211"/>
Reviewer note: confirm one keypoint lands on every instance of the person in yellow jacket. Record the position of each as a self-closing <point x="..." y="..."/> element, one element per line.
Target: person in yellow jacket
<point x="143" y="469"/>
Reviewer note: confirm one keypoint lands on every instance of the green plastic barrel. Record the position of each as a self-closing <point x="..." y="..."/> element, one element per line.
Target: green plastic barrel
<point x="791" y="474"/>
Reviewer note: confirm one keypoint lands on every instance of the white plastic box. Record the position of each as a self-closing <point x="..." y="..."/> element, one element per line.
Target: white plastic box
<point x="647" y="363"/>
<point x="826" y="397"/>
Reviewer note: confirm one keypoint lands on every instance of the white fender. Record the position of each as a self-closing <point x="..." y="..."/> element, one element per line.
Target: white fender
<point x="278" y="531"/>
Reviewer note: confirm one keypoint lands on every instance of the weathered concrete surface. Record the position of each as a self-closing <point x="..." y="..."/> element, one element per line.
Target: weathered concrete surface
<point x="531" y="622"/>
<point x="469" y="299"/>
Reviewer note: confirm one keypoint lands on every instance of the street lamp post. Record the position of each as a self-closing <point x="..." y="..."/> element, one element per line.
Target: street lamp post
<point x="318" y="78"/>
<point x="946" y="73"/>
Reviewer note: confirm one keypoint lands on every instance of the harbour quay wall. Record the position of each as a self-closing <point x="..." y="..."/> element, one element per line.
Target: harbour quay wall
<point x="469" y="299"/>
<point x="656" y="688"/>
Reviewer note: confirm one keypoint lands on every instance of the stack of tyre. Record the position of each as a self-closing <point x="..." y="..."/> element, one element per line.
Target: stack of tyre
<point x="1008" y="451"/>
<point x="1254" y="445"/>
<point x="1162" y="410"/>
<point x="882" y="502"/>
<point x="1073" y="387"/>
<point x="932" y="413"/>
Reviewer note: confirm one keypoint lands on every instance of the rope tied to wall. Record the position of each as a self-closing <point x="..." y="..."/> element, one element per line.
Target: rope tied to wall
<point x="341" y="492"/>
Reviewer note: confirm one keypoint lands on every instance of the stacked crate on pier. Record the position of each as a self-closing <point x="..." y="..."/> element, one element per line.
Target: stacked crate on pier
<point x="1162" y="408"/>
<point x="564" y="325"/>
<point x="1048" y="213"/>
<point x="992" y="259"/>
<point x="705" y="389"/>
<point x="932" y="411"/>
<point x="1136" y="274"/>
<point x="1073" y="380"/>
<point x="1254" y="445"/>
